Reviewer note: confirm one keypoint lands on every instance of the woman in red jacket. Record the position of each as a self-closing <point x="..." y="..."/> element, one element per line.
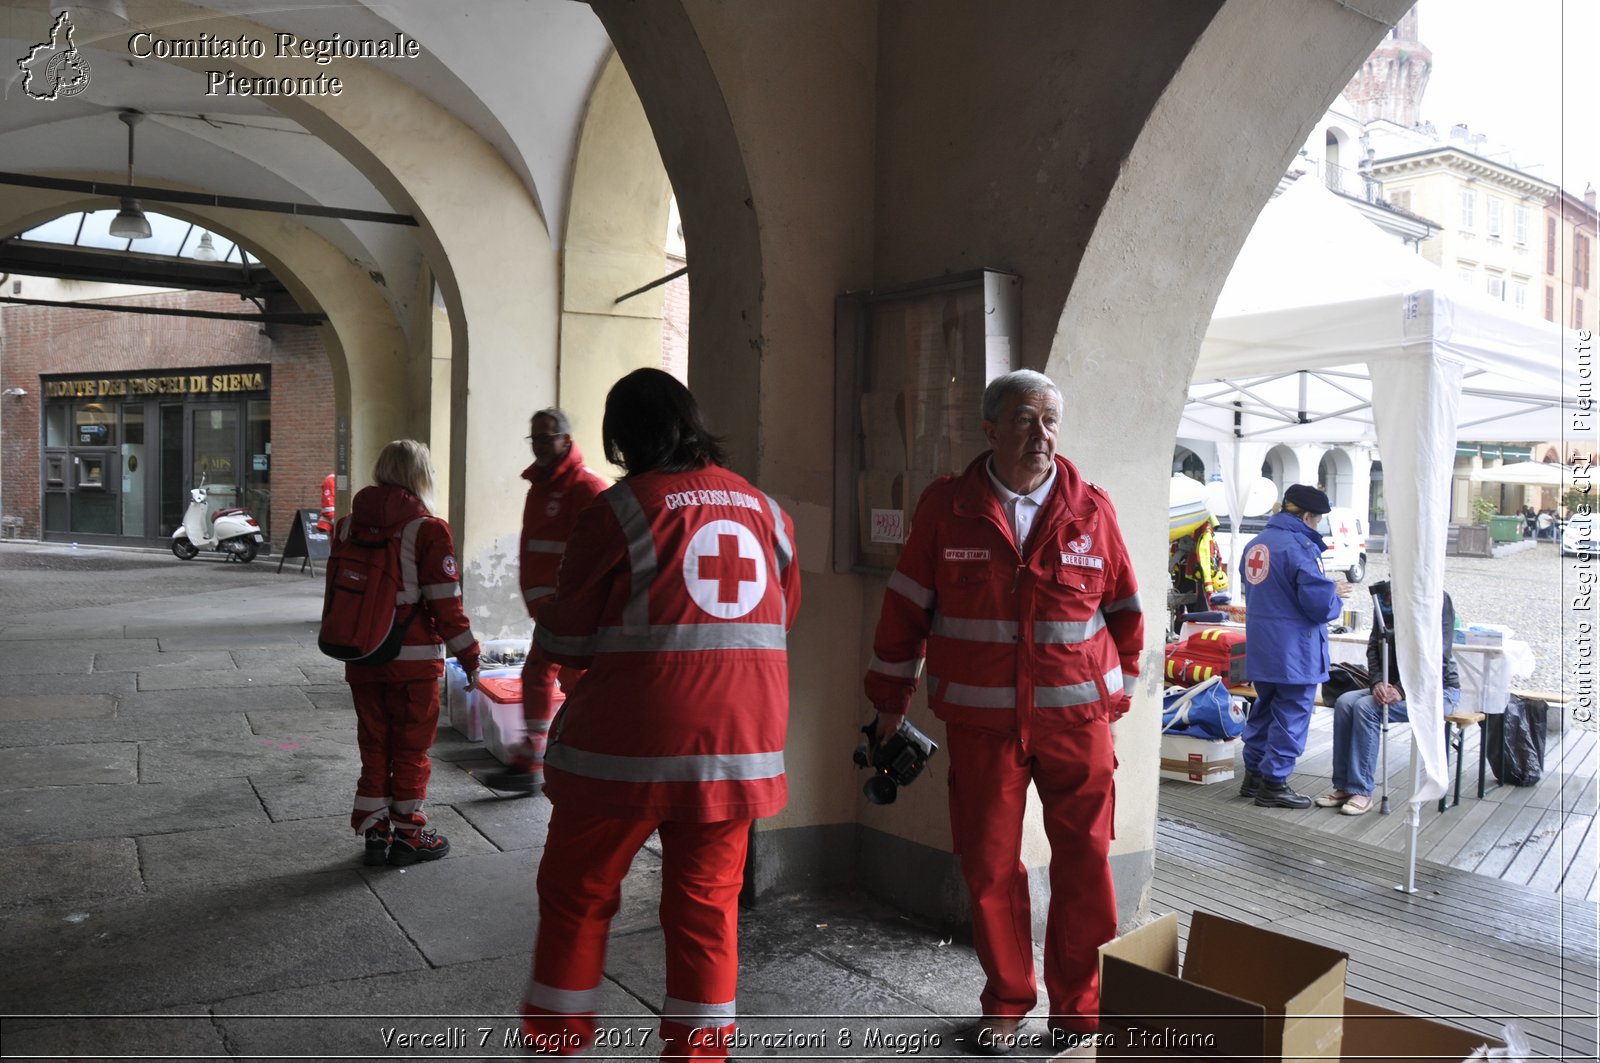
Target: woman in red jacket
<point x="676" y="592"/>
<point x="397" y="704"/>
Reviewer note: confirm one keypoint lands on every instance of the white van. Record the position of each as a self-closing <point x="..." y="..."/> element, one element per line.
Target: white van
<point x="1346" y="536"/>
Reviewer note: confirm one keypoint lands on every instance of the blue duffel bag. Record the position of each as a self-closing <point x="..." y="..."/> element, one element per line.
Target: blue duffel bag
<point x="1205" y="710"/>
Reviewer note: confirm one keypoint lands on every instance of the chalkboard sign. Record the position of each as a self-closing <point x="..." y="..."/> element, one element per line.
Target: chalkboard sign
<point x="305" y="540"/>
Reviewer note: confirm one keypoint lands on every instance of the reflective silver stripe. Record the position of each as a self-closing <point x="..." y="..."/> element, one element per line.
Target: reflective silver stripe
<point x="533" y="594"/>
<point x="1113" y="680"/>
<point x="641" y="555"/>
<point x="410" y="592"/>
<point x="561" y="1001"/>
<point x="1128" y="679"/>
<point x="566" y="645"/>
<point x="785" y="549"/>
<point x="367" y="804"/>
<point x="441" y="590"/>
<point x="376" y="808"/>
<point x="1063" y="697"/>
<point x="973" y="697"/>
<point x="460" y="642"/>
<point x="707" y="767"/>
<point x="1068" y="632"/>
<point x="546" y="546"/>
<point x="671" y="637"/>
<point x="898" y="669"/>
<point x="957" y="627"/>
<point x="407" y="807"/>
<point x="1130" y="603"/>
<point x="692" y="1013"/>
<point x="433" y="652"/>
<point x="538" y="727"/>
<point x="910" y="589"/>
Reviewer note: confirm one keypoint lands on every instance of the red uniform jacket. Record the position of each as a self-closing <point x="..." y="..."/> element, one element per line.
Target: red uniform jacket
<point x="677" y="592"/>
<point x="428" y="567"/>
<point x="1012" y="643"/>
<point x="555" y="497"/>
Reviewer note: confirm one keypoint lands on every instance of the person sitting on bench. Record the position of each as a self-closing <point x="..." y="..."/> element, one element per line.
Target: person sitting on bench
<point x="1358" y="715"/>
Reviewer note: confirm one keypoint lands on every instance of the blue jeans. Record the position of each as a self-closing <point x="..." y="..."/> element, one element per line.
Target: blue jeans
<point x="1357" y="723"/>
<point x="1275" y="733"/>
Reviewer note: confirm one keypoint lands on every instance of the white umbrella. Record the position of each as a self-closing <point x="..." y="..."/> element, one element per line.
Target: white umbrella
<point x="1526" y="474"/>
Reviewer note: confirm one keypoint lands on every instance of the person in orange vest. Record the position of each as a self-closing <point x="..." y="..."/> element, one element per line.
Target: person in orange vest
<point x="329" y="497"/>
<point x="560" y="486"/>
<point x="1016" y="589"/>
<point x="677" y="592"/>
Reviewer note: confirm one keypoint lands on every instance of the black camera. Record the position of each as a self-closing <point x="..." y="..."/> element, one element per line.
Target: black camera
<point x="894" y="763"/>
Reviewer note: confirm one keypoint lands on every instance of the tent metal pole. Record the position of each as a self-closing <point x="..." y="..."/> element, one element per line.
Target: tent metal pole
<point x="1410" y="883"/>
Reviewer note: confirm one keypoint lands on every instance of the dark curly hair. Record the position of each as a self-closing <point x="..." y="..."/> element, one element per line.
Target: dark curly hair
<point x="652" y="423"/>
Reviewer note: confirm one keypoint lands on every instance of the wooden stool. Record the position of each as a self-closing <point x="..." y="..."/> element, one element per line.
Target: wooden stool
<point x="1457" y="740"/>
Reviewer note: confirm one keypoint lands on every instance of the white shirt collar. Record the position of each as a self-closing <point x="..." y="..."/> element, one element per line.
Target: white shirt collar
<point x="1008" y="496"/>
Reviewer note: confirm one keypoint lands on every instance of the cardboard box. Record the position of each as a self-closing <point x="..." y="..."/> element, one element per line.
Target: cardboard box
<point x="1197" y="760"/>
<point x="1378" y="1035"/>
<point x="1243" y="992"/>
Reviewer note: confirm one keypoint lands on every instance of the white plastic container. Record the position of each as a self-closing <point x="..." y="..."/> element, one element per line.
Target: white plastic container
<point x="460" y="705"/>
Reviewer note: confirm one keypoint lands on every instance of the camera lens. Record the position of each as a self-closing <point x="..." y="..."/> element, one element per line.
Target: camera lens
<point x="880" y="790"/>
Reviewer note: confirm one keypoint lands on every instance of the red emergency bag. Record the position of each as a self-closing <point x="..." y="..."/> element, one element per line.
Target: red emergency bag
<point x="1209" y="652"/>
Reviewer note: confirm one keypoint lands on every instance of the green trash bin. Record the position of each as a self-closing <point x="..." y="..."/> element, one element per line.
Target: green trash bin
<point x="1505" y="528"/>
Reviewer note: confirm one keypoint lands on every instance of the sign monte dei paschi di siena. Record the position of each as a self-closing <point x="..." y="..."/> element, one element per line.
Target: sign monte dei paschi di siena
<point x="318" y="51"/>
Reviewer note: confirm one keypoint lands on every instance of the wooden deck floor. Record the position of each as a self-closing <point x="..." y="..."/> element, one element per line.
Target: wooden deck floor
<point x="1467" y="949"/>
<point x="1541" y="836"/>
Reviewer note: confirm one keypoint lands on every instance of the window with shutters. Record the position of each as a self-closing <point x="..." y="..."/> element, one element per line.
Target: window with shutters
<point x="1549" y="303"/>
<point x="1401" y="200"/>
<point x="1469" y="208"/>
<point x="1519" y="225"/>
<point x="1519" y="294"/>
<point x="1550" y="246"/>
<point x="1580" y="261"/>
<point x="1497" y="287"/>
<point x="1495" y="206"/>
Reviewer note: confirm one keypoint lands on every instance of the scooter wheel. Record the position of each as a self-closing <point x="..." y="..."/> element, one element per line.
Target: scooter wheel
<point x="247" y="551"/>
<point x="184" y="550"/>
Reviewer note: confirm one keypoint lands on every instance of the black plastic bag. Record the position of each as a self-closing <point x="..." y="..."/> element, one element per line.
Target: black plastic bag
<point x="1515" y="741"/>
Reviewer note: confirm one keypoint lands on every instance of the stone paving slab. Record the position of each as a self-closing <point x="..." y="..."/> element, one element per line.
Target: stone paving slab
<point x="509" y="822"/>
<point x="206" y="944"/>
<point x="57" y="706"/>
<point x="229" y="678"/>
<point x="70" y="873"/>
<point x="331" y="698"/>
<point x="290" y="653"/>
<point x="95" y="764"/>
<point x="493" y="907"/>
<point x="237" y="757"/>
<point x="121" y="729"/>
<point x="86" y="683"/>
<point x="211" y="858"/>
<point x="66" y="629"/>
<point x="251" y="698"/>
<point x="482" y="997"/>
<point x="44" y="658"/>
<point x="154" y="660"/>
<point x="293" y="722"/>
<point x="172" y="1034"/>
<point x="228" y="639"/>
<point x="70" y="813"/>
<point x="312" y="794"/>
<point x="450" y="744"/>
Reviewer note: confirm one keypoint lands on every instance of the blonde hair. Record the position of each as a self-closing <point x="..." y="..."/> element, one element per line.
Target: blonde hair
<point x="406" y="463"/>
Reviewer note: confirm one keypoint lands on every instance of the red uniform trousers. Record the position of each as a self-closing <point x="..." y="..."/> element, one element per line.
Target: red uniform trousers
<point x="395" y="726"/>
<point x="989" y="776"/>
<point x="539" y="676"/>
<point x="580" y="877"/>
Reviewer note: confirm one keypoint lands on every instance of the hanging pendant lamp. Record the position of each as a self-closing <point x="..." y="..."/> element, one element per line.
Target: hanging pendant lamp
<point x="130" y="222"/>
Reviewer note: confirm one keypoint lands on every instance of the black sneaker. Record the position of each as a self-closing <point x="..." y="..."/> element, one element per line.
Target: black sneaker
<point x="1280" y="796"/>
<point x="1250" y="784"/>
<point x="513" y="781"/>
<point x="377" y="846"/>
<point x="410" y="848"/>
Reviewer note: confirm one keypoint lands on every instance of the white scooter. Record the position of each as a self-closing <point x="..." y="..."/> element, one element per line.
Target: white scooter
<point x="233" y="531"/>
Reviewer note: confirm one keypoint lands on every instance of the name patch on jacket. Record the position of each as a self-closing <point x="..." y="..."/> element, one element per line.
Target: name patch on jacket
<point x="956" y="554"/>
<point x="1083" y="560"/>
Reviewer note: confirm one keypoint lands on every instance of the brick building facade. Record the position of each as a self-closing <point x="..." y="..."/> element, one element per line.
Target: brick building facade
<point x="112" y="389"/>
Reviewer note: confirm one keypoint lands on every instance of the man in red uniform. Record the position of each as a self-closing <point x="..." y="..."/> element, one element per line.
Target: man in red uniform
<point x="676" y="592"/>
<point x="1016" y="589"/>
<point x="559" y="487"/>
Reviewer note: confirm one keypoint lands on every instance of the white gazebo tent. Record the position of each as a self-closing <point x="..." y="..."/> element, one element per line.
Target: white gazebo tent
<point x="1330" y="331"/>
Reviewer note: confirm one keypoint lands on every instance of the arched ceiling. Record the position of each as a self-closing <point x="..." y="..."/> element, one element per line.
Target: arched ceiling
<point x="517" y="72"/>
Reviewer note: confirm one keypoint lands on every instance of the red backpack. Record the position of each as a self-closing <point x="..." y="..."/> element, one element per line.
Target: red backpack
<point x="366" y="589"/>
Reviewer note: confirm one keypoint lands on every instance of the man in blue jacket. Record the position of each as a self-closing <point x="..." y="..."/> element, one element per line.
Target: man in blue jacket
<point x="1288" y="603"/>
